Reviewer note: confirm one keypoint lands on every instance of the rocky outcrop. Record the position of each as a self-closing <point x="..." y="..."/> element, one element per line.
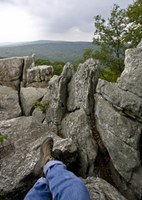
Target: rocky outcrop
<point x="9" y="103"/>
<point x="101" y="190"/>
<point x="39" y="76"/>
<point x="19" y="72"/>
<point x="96" y="126"/>
<point x="57" y="98"/>
<point x="29" y="96"/>
<point x="82" y="87"/>
<point x="11" y="72"/>
<point x="118" y="113"/>
<point x="68" y="113"/>
<point x="20" y="151"/>
<point x="77" y="127"/>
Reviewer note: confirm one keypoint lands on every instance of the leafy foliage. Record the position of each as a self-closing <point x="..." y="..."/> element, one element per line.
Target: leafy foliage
<point x="109" y="74"/>
<point x="42" y="62"/>
<point x="41" y="105"/>
<point x="123" y="29"/>
<point x="3" y="138"/>
<point x="134" y="14"/>
<point x="58" y="67"/>
<point x="110" y="37"/>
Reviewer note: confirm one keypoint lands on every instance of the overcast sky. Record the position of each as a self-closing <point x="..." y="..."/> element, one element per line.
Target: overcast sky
<point x="70" y="20"/>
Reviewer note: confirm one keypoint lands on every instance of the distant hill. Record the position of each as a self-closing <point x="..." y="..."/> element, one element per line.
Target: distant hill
<point x="46" y="49"/>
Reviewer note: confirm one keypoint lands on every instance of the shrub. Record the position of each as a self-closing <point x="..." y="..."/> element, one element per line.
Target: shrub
<point x="41" y="105"/>
<point x="2" y="138"/>
<point x="109" y="74"/>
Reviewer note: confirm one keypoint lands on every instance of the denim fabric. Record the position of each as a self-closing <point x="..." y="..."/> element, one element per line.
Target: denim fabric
<point x="64" y="185"/>
<point x="40" y="191"/>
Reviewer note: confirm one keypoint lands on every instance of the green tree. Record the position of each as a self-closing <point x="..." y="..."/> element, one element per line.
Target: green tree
<point x="110" y="37"/>
<point x="42" y="62"/>
<point x="88" y="53"/>
<point x="134" y="14"/>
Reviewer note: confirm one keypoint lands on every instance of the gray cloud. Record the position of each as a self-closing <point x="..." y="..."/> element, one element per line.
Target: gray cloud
<point x="62" y="16"/>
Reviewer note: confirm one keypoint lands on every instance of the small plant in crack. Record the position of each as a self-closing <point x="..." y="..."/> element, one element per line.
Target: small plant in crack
<point x="2" y="138"/>
<point x="41" y="105"/>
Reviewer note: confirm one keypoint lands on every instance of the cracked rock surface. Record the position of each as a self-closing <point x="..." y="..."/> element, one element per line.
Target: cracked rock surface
<point x="95" y="124"/>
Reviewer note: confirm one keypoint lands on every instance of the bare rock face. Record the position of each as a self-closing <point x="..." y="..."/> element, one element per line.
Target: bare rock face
<point x="39" y="76"/>
<point x="29" y="62"/>
<point x="118" y="113"/>
<point x="83" y="130"/>
<point x="140" y="45"/>
<point x="82" y="87"/>
<point x="101" y="190"/>
<point x="57" y="97"/>
<point x="19" y="151"/>
<point x="29" y="96"/>
<point x="120" y="136"/>
<point x="77" y="127"/>
<point x="130" y="79"/>
<point x="11" y="72"/>
<point x="9" y="103"/>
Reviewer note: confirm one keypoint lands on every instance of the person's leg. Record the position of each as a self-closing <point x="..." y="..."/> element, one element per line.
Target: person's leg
<point x="40" y="191"/>
<point x="63" y="184"/>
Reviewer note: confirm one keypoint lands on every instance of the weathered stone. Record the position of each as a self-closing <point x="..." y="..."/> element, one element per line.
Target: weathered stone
<point x="46" y="72"/>
<point x="33" y="75"/>
<point x="76" y="126"/>
<point x="101" y="190"/>
<point x="39" y="75"/>
<point x="11" y="72"/>
<point x="19" y="151"/>
<point x="29" y="62"/>
<point x="130" y="79"/>
<point x="118" y="114"/>
<point x="39" y="115"/>
<point x="9" y="103"/>
<point x="57" y="96"/>
<point x="82" y="87"/>
<point x="140" y="45"/>
<point x="120" y="136"/>
<point x="68" y="148"/>
<point x="29" y="96"/>
<point x="125" y="101"/>
<point x="136" y="181"/>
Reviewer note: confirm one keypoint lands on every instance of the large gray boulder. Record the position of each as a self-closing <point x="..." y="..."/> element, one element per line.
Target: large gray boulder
<point x="82" y="87"/>
<point x="29" y="62"/>
<point x="9" y="103"/>
<point x="118" y="113"/>
<point x="29" y="96"/>
<point x="125" y="101"/>
<point x="57" y="97"/>
<point x="77" y="127"/>
<point x="11" y="72"/>
<point x="20" y="152"/>
<point x="39" y="76"/>
<point x="130" y="79"/>
<point x="101" y="190"/>
<point x="120" y="135"/>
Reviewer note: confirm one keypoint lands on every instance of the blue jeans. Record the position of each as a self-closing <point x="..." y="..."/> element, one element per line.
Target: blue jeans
<point x="62" y="184"/>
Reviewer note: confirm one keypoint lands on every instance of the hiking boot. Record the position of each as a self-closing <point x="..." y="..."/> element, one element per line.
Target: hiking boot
<point x="45" y="156"/>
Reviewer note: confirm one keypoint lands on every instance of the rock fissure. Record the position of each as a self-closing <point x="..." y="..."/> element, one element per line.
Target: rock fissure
<point x="19" y="89"/>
